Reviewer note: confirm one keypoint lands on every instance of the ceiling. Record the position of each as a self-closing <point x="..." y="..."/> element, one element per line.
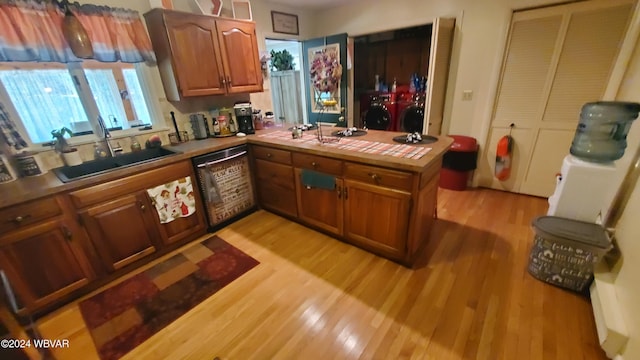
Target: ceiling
<point x="313" y="4"/>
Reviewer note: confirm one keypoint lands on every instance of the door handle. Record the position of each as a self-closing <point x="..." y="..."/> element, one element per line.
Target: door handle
<point x="339" y="189"/>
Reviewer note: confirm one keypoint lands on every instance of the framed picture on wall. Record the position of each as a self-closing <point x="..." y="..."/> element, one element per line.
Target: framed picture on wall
<point x="284" y="23"/>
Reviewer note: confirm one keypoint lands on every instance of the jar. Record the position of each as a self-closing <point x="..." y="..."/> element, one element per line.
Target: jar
<point x="257" y="120"/>
<point x="269" y="119"/>
<point x="224" y="125"/>
<point x="135" y="144"/>
<point x="601" y="135"/>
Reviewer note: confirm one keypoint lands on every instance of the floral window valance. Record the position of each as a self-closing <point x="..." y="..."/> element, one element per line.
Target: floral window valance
<point x="30" y="30"/>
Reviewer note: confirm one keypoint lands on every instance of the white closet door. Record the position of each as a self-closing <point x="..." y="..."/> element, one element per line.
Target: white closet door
<point x="593" y="37"/>
<point x="557" y="59"/>
<point x="439" y="59"/>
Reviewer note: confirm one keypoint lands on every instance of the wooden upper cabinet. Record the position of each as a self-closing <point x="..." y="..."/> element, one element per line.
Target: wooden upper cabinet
<point x="200" y="55"/>
<point x="194" y="48"/>
<point x="239" y="48"/>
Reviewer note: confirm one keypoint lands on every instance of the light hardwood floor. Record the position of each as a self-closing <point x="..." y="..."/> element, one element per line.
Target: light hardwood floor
<point x="313" y="297"/>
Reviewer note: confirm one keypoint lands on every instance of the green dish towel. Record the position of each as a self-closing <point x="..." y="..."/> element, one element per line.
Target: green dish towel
<point x="318" y="180"/>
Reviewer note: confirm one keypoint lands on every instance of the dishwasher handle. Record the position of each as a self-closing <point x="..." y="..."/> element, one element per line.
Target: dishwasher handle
<point x="222" y="160"/>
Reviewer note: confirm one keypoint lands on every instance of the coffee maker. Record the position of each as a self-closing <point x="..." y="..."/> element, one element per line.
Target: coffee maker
<point x="244" y="117"/>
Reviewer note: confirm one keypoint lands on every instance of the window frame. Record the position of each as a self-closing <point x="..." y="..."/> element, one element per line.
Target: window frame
<point x="76" y="71"/>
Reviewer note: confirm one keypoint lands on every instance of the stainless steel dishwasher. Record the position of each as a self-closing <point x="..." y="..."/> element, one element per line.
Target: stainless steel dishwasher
<point x="224" y="178"/>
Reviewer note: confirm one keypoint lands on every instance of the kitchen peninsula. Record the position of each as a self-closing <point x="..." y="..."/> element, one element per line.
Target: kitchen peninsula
<point x="384" y="204"/>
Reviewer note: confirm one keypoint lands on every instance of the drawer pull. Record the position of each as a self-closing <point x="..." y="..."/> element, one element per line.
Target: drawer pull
<point x="269" y="155"/>
<point x="18" y="219"/>
<point x="314" y="164"/>
<point x="375" y="177"/>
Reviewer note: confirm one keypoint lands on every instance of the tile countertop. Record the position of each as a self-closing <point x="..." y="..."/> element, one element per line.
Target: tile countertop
<point x="31" y="188"/>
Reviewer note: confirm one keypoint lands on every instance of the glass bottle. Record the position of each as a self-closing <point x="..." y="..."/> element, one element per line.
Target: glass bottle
<point x="135" y="145"/>
<point x="216" y="127"/>
<point x="232" y="125"/>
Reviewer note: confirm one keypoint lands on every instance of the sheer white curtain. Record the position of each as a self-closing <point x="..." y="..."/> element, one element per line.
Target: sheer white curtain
<point x="46" y="99"/>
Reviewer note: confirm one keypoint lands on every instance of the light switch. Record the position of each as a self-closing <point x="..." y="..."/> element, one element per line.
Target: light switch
<point x="467" y="95"/>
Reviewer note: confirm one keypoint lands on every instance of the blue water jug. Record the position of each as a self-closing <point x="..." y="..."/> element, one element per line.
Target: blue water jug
<point x="601" y="135"/>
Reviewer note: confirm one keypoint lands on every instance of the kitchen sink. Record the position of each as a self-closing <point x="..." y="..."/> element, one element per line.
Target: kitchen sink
<point x="101" y="166"/>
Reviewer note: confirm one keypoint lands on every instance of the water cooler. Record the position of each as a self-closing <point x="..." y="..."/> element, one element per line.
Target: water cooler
<point x="586" y="179"/>
<point x="582" y="189"/>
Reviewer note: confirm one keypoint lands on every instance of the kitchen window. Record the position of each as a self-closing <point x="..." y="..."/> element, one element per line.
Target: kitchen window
<point x="48" y="96"/>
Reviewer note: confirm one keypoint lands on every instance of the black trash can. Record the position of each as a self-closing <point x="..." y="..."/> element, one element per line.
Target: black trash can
<point x="457" y="163"/>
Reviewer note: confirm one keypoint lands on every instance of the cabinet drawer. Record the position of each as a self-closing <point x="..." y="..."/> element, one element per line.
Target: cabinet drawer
<point x="379" y="176"/>
<point x="271" y="154"/>
<point x="277" y="174"/>
<point x="28" y="213"/>
<point x="130" y="184"/>
<point x="318" y="163"/>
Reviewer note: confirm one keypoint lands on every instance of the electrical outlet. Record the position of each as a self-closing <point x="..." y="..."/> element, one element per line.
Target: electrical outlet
<point x="467" y="95"/>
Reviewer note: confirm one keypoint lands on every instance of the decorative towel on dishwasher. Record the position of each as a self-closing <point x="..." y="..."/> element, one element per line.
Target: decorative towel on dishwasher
<point x="314" y="179"/>
<point x="173" y="200"/>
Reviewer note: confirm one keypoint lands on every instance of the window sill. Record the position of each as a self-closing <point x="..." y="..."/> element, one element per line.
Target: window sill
<point x="77" y="141"/>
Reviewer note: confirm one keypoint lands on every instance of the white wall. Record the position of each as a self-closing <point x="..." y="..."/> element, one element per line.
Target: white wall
<point x="262" y="16"/>
<point x="628" y="229"/>
<point x="480" y="36"/>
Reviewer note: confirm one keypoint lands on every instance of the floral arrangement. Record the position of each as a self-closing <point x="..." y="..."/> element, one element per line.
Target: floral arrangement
<point x="326" y="70"/>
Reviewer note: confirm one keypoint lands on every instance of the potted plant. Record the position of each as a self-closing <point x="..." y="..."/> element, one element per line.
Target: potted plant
<point x="281" y="60"/>
<point x="70" y="154"/>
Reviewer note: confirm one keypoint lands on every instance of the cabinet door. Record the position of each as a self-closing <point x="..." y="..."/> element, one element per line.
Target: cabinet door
<point x="44" y="262"/>
<point x="377" y="217"/>
<point x="276" y="187"/>
<point x="321" y="208"/>
<point x="122" y="230"/>
<point x="239" y="48"/>
<point x="182" y="227"/>
<point x="196" y="56"/>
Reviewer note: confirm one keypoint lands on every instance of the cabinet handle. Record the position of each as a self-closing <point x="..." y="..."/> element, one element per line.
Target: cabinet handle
<point x="68" y="235"/>
<point x="20" y="218"/>
<point x="346" y="193"/>
<point x="143" y="207"/>
<point x="229" y="81"/>
<point x="314" y="164"/>
<point x="375" y="177"/>
<point x="339" y="191"/>
<point x="223" y="81"/>
<point x="269" y="155"/>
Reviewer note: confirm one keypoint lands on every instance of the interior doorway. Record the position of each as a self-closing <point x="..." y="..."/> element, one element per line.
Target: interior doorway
<point x="287" y="81"/>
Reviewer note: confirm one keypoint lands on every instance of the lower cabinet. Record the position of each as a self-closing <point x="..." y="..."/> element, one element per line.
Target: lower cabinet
<point x="377" y="217"/>
<point x="322" y="208"/>
<point x="45" y="261"/>
<point x="370" y="206"/>
<point x="121" y="219"/>
<point x="122" y="230"/>
<point x="276" y="187"/>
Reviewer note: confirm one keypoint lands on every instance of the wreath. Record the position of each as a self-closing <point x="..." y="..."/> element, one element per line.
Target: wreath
<point x="326" y="70"/>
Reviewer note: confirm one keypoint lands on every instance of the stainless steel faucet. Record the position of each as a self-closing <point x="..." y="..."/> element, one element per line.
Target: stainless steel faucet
<point x="107" y="135"/>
